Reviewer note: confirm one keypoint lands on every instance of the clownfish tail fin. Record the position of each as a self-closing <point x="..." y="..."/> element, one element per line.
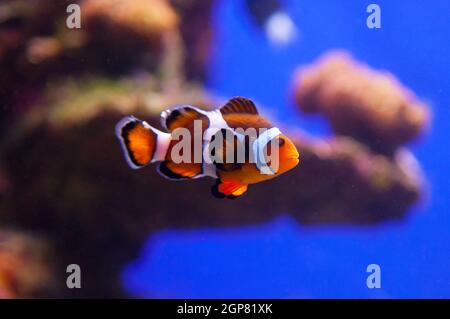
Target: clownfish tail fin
<point x="141" y="143"/>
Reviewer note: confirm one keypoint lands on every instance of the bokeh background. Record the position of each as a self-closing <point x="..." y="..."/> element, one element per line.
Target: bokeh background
<point x="65" y="184"/>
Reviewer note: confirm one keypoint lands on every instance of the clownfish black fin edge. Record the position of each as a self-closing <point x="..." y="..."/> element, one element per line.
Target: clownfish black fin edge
<point x="178" y="172"/>
<point x="239" y="105"/>
<point x="215" y="190"/>
<point x="181" y="116"/>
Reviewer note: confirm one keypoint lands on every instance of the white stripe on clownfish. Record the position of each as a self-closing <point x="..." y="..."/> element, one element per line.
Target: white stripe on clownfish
<point x="258" y="149"/>
<point x="216" y="123"/>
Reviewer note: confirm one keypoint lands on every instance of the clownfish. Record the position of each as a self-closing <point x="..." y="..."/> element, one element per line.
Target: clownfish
<point x="212" y="142"/>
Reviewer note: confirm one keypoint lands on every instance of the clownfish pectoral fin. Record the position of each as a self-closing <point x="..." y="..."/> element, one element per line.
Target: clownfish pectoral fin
<point x="228" y="189"/>
<point x="140" y="142"/>
<point x="181" y="171"/>
<point x="227" y="151"/>
<point x="181" y="116"/>
<point x="239" y="105"/>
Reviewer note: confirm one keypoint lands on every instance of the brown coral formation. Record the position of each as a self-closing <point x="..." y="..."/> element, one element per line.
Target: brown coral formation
<point x="140" y="25"/>
<point x="63" y="177"/>
<point x="116" y="38"/>
<point x="370" y="106"/>
<point x="24" y="265"/>
<point x="146" y="18"/>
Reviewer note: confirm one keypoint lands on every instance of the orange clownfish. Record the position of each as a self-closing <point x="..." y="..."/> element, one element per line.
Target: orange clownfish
<point x="214" y="143"/>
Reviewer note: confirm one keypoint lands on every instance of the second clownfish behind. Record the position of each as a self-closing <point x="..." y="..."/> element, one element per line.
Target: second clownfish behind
<point x="143" y="144"/>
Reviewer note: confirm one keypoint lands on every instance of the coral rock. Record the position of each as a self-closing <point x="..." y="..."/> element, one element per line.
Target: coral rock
<point x="24" y="266"/>
<point x="370" y="106"/>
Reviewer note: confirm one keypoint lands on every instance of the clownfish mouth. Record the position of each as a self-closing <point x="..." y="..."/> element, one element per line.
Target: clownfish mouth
<point x="294" y="159"/>
<point x="294" y="155"/>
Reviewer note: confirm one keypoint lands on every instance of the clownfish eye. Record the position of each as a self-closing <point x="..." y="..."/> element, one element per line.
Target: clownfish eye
<point x="280" y="141"/>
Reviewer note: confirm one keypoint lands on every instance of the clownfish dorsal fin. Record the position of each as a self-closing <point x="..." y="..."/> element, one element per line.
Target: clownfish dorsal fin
<point x="180" y="171"/>
<point x="239" y="105"/>
<point x="228" y="189"/>
<point x="226" y="150"/>
<point x="180" y="116"/>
